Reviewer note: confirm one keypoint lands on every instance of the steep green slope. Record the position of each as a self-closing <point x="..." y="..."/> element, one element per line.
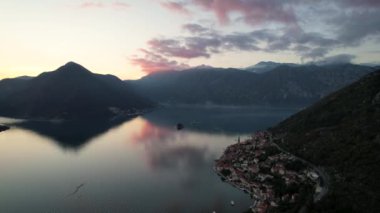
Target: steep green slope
<point x="342" y="134"/>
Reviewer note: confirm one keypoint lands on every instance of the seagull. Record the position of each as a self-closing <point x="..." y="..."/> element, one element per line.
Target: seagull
<point x="76" y="190"/>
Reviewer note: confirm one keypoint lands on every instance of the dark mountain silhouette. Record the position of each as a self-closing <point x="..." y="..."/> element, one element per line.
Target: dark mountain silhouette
<point x="11" y="85"/>
<point x="70" y="92"/>
<point x="284" y="85"/>
<point x="342" y="134"/>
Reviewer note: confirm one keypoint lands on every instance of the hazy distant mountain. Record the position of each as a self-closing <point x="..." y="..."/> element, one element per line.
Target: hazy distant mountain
<point x="376" y="65"/>
<point x="69" y="92"/>
<point x="266" y="66"/>
<point x="341" y="133"/>
<point x="284" y="85"/>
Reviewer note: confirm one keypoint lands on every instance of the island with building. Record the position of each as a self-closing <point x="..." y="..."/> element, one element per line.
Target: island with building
<point x="276" y="180"/>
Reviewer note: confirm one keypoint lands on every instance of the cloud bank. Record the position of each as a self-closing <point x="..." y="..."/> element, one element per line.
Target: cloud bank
<point x="310" y="29"/>
<point x="152" y="62"/>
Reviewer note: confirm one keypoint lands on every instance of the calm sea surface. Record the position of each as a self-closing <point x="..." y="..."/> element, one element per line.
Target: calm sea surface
<point x="139" y="165"/>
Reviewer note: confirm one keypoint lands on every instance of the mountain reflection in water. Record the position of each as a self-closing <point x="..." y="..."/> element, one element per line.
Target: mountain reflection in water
<point x="70" y="134"/>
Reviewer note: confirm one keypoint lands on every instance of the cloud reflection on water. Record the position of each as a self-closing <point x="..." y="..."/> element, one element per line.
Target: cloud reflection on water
<point x="149" y="133"/>
<point x="169" y="150"/>
<point x="166" y="148"/>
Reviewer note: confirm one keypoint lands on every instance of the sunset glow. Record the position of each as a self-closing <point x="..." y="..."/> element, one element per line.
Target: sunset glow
<point x="131" y="38"/>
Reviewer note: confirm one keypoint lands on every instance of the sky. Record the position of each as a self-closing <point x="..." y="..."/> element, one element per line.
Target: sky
<point x="132" y="38"/>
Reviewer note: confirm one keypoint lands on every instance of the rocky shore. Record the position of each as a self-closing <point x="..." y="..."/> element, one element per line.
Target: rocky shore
<point x="3" y="128"/>
<point x="275" y="180"/>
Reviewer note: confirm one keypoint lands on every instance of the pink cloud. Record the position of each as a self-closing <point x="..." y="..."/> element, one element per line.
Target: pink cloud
<point x="196" y="29"/>
<point x="153" y="62"/>
<point x="253" y="12"/>
<point x="114" y="5"/>
<point x="257" y="12"/>
<point x="205" y="42"/>
<point x="88" y="5"/>
<point x="120" y="5"/>
<point x="176" y="48"/>
<point x="176" y="7"/>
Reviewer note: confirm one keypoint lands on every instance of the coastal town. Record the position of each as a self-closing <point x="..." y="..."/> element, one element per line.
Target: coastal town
<point x="275" y="180"/>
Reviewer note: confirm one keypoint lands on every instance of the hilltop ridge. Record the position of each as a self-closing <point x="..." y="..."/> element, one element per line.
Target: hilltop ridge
<point x="284" y="85"/>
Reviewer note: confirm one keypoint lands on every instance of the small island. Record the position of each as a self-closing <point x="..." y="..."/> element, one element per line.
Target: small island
<point x="275" y="179"/>
<point x="3" y="128"/>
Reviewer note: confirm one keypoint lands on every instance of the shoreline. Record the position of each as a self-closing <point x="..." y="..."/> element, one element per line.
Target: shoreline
<point x="4" y="128"/>
<point x="271" y="176"/>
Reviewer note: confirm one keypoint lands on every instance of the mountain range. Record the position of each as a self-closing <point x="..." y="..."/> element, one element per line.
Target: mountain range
<point x="72" y="91"/>
<point x="69" y="92"/>
<point x="341" y="133"/>
<point x="278" y="85"/>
